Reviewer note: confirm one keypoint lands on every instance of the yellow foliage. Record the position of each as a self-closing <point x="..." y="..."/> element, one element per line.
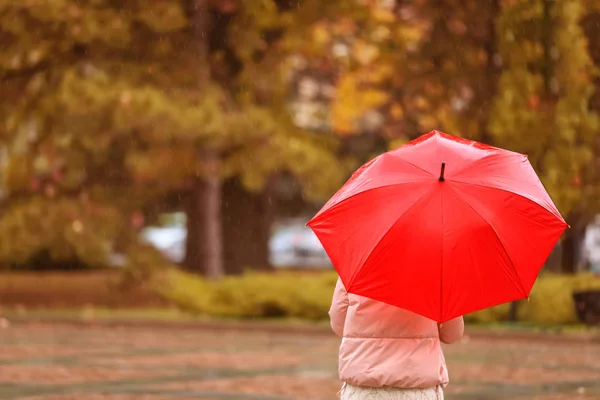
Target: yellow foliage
<point x="551" y="299"/>
<point x="394" y="144"/>
<point x="378" y="73"/>
<point x="253" y="295"/>
<point x="321" y="34"/>
<point x="421" y="102"/>
<point x="365" y="53"/>
<point x="409" y="34"/>
<point x="428" y="122"/>
<point x="352" y="101"/>
<point x="494" y="314"/>
<point x="382" y="15"/>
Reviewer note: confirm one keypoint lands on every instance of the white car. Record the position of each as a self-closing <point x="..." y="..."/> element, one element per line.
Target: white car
<point x="297" y="246"/>
<point x="291" y="246"/>
<point x="170" y="241"/>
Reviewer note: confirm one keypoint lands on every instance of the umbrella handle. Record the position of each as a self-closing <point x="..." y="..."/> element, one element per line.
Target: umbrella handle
<point x="443" y="169"/>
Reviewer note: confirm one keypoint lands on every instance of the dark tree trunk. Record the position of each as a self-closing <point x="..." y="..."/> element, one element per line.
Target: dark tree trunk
<point x="205" y="238"/>
<point x="492" y="70"/>
<point x="547" y="43"/>
<point x="204" y="252"/>
<point x="568" y="264"/>
<point x="513" y="311"/>
<point x="193" y="257"/>
<point x="247" y="220"/>
<point x="571" y="245"/>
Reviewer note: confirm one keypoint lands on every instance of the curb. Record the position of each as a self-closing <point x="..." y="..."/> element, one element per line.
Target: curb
<point x="289" y="328"/>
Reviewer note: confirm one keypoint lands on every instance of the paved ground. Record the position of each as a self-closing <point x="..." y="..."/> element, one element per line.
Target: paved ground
<point x="46" y="362"/>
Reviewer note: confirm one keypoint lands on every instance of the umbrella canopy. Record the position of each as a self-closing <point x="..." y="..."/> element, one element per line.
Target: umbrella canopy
<point x="442" y="226"/>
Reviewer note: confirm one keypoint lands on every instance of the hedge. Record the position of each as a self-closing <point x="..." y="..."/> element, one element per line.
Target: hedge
<point x="308" y="296"/>
<point x="254" y="295"/>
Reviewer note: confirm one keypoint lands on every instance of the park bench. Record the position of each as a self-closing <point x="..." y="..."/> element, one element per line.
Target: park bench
<point x="587" y="305"/>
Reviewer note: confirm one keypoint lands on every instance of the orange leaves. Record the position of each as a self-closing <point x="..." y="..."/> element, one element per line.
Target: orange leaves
<point x="396" y="111"/>
<point x="533" y="103"/>
<point x="225" y="6"/>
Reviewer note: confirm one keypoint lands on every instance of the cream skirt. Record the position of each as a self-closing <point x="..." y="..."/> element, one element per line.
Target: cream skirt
<point x="350" y="392"/>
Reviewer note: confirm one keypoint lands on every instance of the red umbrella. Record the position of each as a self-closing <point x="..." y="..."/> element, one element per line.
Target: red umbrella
<point x="442" y="226"/>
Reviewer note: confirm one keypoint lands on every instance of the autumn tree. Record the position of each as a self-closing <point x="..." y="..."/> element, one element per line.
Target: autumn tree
<point x="114" y="104"/>
<point x="449" y="75"/>
<point x="542" y="107"/>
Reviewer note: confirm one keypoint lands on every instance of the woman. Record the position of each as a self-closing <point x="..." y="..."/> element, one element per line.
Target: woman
<point x="387" y="352"/>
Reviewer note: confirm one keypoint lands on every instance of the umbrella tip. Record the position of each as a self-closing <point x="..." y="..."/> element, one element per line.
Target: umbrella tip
<point x="443" y="169"/>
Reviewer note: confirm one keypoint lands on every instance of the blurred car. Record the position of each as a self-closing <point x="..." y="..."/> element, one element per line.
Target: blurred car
<point x="170" y="241"/>
<point x="297" y="246"/>
<point x="293" y="245"/>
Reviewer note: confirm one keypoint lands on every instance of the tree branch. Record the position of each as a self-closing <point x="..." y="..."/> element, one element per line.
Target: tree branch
<point x="27" y="72"/>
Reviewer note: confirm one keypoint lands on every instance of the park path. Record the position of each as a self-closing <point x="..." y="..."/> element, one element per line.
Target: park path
<point x="52" y="362"/>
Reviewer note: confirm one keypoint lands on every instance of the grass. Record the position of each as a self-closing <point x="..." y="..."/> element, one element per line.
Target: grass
<point x="173" y="315"/>
<point x="158" y="315"/>
<point x="573" y="329"/>
<point x="141" y="314"/>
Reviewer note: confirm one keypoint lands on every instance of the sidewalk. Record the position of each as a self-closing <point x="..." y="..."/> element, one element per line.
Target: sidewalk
<point x="76" y="360"/>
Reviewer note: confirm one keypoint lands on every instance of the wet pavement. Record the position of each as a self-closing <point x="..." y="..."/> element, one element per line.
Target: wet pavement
<point x="51" y="362"/>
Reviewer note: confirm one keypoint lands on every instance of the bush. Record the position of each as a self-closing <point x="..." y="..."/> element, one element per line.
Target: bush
<point x="551" y="299"/>
<point x="253" y="295"/>
<point x="489" y="315"/>
<point x="308" y="296"/>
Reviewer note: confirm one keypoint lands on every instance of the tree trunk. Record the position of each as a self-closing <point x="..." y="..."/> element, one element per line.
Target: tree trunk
<point x="547" y="32"/>
<point x="568" y="254"/>
<point x="247" y="220"/>
<point x="205" y="238"/>
<point x="571" y="245"/>
<point x="492" y="70"/>
<point x="513" y="311"/>
<point x="193" y="258"/>
<point x="204" y="253"/>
